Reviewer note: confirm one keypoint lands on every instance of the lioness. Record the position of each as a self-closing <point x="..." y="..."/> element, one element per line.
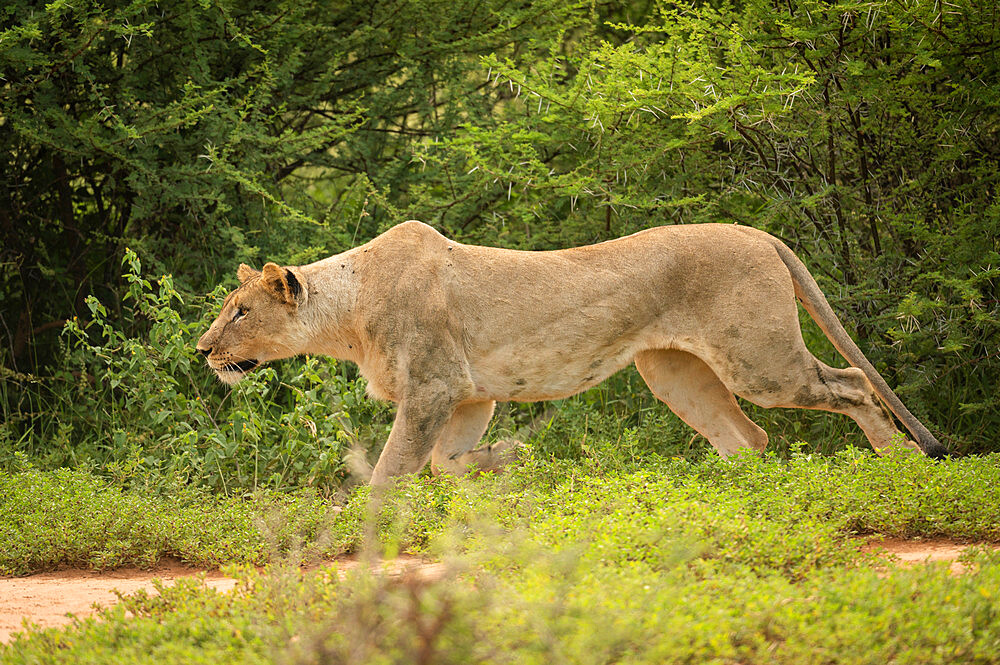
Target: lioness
<point x="445" y="330"/>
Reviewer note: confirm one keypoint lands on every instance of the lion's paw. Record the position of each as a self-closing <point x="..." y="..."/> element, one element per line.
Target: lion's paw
<point x="504" y="452"/>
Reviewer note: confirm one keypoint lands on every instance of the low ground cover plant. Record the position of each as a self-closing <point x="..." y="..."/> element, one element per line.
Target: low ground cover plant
<point x="771" y="514"/>
<point x="74" y="518"/>
<point x="668" y="560"/>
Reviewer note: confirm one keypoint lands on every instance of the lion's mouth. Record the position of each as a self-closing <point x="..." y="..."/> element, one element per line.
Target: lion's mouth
<point x="242" y="367"/>
<point x="233" y="373"/>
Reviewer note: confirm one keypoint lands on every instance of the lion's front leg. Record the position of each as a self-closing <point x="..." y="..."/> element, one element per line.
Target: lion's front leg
<point x="420" y="419"/>
<point x="464" y="430"/>
<point x="455" y="451"/>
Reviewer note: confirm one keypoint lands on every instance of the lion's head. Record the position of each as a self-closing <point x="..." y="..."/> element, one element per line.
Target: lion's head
<point x="259" y="322"/>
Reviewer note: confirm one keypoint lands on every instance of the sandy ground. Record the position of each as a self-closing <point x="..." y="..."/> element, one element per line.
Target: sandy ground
<point x="47" y="599"/>
<point x="911" y="552"/>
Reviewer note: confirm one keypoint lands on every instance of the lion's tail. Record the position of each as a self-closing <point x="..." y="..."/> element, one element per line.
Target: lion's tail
<point x="809" y="294"/>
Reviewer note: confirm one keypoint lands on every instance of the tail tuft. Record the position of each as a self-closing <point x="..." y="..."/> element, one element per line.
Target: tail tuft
<point x="934" y="448"/>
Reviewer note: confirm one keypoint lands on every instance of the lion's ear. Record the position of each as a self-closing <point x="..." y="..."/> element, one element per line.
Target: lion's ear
<point x="295" y="286"/>
<point x="284" y="284"/>
<point x="245" y="272"/>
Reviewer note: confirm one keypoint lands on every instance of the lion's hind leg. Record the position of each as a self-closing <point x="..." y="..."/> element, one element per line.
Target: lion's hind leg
<point x="816" y="385"/>
<point x="455" y="451"/>
<point x="693" y="391"/>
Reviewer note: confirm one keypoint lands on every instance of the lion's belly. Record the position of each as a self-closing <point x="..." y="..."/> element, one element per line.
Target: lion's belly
<point x="512" y="373"/>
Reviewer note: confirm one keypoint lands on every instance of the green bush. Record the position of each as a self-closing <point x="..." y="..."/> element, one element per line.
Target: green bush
<point x="864" y="135"/>
<point x="143" y="406"/>
<point x="205" y="134"/>
<point x="217" y="133"/>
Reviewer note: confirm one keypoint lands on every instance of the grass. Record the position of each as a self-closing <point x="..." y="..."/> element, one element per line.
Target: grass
<point x="73" y="518"/>
<point x="793" y="504"/>
<point x="781" y="514"/>
<point x="602" y="560"/>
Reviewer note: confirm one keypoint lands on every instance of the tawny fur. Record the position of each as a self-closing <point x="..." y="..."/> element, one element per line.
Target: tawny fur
<point x="445" y="330"/>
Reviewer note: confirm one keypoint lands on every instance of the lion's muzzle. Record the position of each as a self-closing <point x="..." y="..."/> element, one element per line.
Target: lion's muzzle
<point x="242" y="367"/>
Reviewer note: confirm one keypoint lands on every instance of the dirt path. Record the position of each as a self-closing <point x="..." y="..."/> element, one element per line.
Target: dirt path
<point x="46" y="599"/>
<point x="912" y="552"/>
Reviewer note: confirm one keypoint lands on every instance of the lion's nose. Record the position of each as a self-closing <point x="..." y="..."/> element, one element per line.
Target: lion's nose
<point x="204" y="352"/>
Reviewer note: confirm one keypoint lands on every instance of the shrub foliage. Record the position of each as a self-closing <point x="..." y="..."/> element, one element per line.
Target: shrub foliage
<point x="864" y="133"/>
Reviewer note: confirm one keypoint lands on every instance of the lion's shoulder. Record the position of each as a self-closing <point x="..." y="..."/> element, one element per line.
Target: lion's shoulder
<point x="410" y="246"/>
<point x="411" y="230"/>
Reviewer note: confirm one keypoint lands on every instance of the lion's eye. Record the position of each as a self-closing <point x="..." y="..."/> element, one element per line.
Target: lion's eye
<point x="240" y="313"/>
